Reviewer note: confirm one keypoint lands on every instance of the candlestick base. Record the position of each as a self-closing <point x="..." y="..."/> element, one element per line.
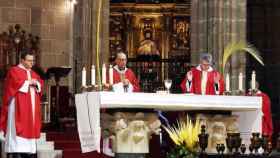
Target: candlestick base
<point x="92" y="88"/>
<point x="227" y="92"/>
<point x="253" y="91"/>
<point x="84" y="88"/>
<point x="107" y="87"/>
<point x="95" y="88"/>
<point x="240" y="92"/>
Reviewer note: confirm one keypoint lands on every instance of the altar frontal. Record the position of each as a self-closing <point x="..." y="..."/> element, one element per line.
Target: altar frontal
<point x="246" y="112"/>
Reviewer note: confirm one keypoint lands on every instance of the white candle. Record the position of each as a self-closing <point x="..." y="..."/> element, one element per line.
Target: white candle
<point x="240" y="81"/>
<point x="227" y="83"/>
<point x="253" y="82"/>
<point x="92" y="75"/>
<point x="111" y="79"/>
<point x="84" y="77"/>
<point x="104" y="74"/>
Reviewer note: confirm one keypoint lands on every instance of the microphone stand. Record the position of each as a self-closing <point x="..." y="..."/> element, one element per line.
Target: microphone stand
<point x="125" y="87"/>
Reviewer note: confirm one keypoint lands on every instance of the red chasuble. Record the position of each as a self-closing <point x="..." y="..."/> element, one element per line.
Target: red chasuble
<point x="23" y="105"/>
<point x="128" y="75"/>
<point x="267" y="127"/>
<point x="195" y="85"/>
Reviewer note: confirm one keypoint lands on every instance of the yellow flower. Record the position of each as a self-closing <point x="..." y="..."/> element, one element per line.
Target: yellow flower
<point x="185" y="133"/>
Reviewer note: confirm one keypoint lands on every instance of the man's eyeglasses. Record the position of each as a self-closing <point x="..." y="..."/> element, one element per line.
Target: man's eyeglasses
<point x="29" y="60"/>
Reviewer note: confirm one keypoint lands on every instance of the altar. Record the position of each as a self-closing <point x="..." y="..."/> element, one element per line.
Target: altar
<point x="89" y="104"/>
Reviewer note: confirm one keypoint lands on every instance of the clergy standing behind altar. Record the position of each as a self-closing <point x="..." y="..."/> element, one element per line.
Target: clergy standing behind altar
<point x="124" y="80"/>
<point x="203" y="79"/>
<point x="20" y="119"/>
<point x="267" y="125"/>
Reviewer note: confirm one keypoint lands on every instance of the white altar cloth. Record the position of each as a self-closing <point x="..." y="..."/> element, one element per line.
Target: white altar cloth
<point x="88" y="104"/>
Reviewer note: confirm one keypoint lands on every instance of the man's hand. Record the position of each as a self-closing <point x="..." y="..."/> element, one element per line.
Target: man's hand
<point x="2" y="137"/>
<point x="126" y="82"/>
<point x="189" y="76"/>
<point x="33" y="82"/>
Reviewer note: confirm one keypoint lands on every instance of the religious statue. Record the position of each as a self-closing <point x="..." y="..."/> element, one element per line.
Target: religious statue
<point x="131" y="132"/>
<point x="217" y="135"/>
<point x="218" y="127"/>
<point x="148" y="47"/>
<point x="181" y="35"/>
<point x="232" y="124"/>
<point x="203" y="119"/>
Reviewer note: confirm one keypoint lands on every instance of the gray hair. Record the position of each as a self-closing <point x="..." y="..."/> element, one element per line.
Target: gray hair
<point x="207" y="57"/>
<point x="121" y="54"/>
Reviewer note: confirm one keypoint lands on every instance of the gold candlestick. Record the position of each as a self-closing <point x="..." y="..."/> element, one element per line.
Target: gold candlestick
<point x="227" y="93"/>
<point x="240" y="92"/>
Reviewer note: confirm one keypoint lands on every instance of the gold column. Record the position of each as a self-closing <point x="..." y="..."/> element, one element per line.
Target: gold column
<point x="100" y="35"/>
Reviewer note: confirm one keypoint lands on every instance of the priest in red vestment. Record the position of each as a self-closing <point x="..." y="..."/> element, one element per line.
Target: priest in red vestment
<point x="203" y="79"/>
<point x="20" y="119"/>
<point x="267" y="125"/>
<point x="123" y="78"/>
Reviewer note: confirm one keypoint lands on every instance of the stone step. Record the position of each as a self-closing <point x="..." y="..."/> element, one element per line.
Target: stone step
<point x="49" y="154"/>
<point x="43" y="137"/>
<point x="45" y="146"/>
<point x="45" y="154"/>
<point x="45" y="149"/>
<point x="72" y="153"/>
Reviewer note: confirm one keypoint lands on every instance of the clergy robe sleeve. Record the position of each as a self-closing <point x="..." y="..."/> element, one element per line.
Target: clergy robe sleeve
<point x="183" y="85"/>
<point x="25" y="87"/>
<point x="13" y="81"/>
<point x="186" y="85"/>
<point x="39" y="83"/>
<point x="38" y="88"/>
<point x="267" y="119"/>
<point x="221" y="86"/>
<point x="135" y="83"/>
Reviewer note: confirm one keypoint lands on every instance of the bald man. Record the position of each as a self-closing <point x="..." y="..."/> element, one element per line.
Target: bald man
<point x="124" y="78"/>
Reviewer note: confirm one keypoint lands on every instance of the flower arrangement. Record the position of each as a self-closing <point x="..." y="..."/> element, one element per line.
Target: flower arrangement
<point x="184" y="134"/>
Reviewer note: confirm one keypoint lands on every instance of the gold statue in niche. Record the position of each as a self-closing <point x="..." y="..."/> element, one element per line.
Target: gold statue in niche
<point x="180" y="35"/>
<point x="148" y="46"/>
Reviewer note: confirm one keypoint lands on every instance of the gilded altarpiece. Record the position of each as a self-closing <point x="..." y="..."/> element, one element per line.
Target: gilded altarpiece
<point x="156" y="38"/>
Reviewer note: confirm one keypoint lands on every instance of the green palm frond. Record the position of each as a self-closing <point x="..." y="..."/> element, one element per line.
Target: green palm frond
<point x="237" y="47"/>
